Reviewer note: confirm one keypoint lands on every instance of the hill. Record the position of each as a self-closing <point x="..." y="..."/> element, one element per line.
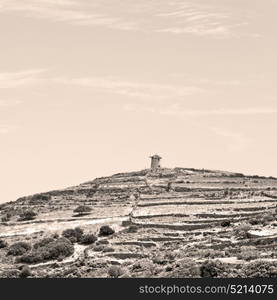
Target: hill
<point x="167" y="222"/>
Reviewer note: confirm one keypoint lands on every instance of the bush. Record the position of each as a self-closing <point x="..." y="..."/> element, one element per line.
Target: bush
<point x="212" y="269"/>
<point x="6" y="218"/>
<point x="74" y="235"/>
<point x="260" y="269"/>
<point x="43" y="242"/>
<point x="248" y="253"/>
<point x="185" y="268"/>
<point x="25" y="272"/>
<point x="98" y="248"/>
<point x="27" y="215"/>
<point x="254" y="221"/>
<point x="106" y="230"/>
<point x="160" y="260"/>
<point x="3" y="244"/>
<point x="115" y="271"/>
<point x="241" y="231"/>
<point x="19" y="248"/>
<point x="88" y="239"/>
<point x="132" y="229"/>
<point x="269" y="217"/>
<point x="57" y="249"/>
<point x="82" y="210"/>
<point x="41" y="197"/>
<point x="226" y="223"/>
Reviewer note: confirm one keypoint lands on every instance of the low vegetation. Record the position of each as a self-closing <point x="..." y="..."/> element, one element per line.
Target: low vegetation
<point x="57" y="249"/>
<point x="3" y="244"/>
<point x="88" y="239"/>
<point x="82" y="210"/>
<point x="25" y="272"/>
<point x="27" y="215"/>
<point x="18" y="248"/>
<point x="190" y="223"/>
<point x="115" y="271"/>
<point x="106" y="230"/>
<point x="74" y="235"/>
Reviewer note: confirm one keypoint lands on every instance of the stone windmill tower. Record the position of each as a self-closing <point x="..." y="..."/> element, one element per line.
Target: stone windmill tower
<point x="155" y="161"/>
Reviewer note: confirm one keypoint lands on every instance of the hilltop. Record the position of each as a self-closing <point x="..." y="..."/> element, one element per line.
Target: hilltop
<point x="163" y="218"/>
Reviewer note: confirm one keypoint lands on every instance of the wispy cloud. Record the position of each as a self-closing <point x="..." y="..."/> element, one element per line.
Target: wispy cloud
<point x="177" y="111"/>
<point x="70" y="11"/>
<point x="19" y="79"/>
<point x="113" y="85"/>
<point x="199" y="19"/>
<point x="131" y="88"/>
<point x="174" y="17"/>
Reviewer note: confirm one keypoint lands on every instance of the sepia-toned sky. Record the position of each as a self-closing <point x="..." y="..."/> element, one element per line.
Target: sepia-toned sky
<point x="89" y="88"/>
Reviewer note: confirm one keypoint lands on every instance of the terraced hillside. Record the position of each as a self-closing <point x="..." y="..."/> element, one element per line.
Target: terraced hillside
<point x="167" y="222"/>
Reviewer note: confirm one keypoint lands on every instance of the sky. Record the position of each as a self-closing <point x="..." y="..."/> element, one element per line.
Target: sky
<point x="89" y="88"/>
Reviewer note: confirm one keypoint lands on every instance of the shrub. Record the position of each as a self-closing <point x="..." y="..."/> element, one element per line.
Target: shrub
<point x="242" y="231"/>
<point x="3" y="244"/>
<point x="27" y="215"/>
<point x="185" y="268"/>
<point x="132" y="229"/>
<point x="226" y="223"/>
<point x="5" y="218"/>
<point x="74" y="235"/>
<point x="212" y="269"/>
<point x="45" y="197"/>
<point x="41" y="197"/>
<point x="259" y="269"/>
<point x="19" y="248"/>
<point x="82" y="210"/>
<point x="159" y="260"/>
<point x="106" y="230"/>
<point x="98" y="248"/>
<point x="248" y="253"/>
<point x="254" y="221"/>
<point x="115" y="271"/>
<point x="43" y="242"/>
<point x="57" y="249"/>
<point x="268" y="218"/>
<point x="25" y="272"/>
<point x="142" y="264"/>
<point x="88" y="239"/>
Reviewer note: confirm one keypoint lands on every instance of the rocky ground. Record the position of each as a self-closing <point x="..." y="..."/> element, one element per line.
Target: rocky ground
<point x="167" y="223"/>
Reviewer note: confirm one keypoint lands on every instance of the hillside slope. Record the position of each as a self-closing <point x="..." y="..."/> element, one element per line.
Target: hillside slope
<point x="180" y="208"/>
